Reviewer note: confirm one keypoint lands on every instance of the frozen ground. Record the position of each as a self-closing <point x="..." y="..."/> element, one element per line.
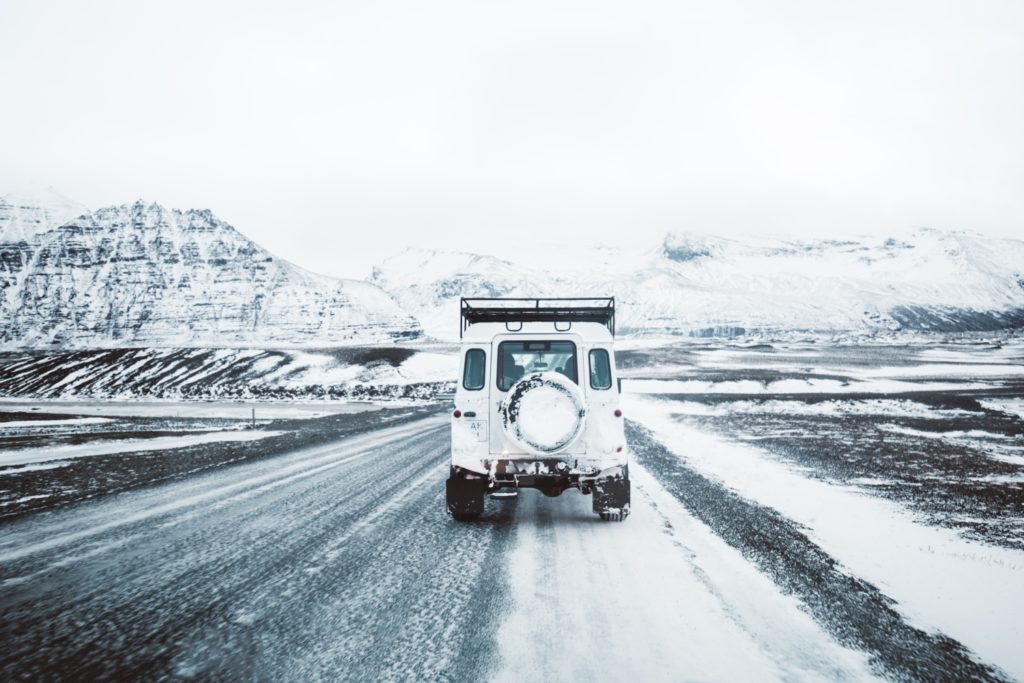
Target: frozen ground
<point x="410" y="372"/>
<point x="168" y="408"/>
<point x="830" y="533"/>
<point x="25" y="456"/>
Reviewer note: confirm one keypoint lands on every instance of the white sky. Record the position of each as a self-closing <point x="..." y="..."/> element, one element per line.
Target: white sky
<point x="336" y="133"/>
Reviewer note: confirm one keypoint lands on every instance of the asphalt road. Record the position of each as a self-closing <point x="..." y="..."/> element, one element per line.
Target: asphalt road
<point x="334" y="563"/>
<point x="338" y="562"/>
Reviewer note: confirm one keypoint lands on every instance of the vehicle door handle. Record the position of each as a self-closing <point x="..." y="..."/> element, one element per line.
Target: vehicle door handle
<point x="470" y="413"/>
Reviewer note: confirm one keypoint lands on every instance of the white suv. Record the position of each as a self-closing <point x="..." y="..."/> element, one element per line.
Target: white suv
<point x="537" y="404"/>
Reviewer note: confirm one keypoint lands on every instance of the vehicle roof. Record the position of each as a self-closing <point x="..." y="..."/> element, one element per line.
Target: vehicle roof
<point x="483" y="333"/>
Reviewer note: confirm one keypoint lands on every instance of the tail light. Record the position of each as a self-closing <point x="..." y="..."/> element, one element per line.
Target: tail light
<point x="457" y="413"/>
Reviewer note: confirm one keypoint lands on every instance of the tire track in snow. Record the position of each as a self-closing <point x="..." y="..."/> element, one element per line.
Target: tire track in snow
<point x="618" y="601"/>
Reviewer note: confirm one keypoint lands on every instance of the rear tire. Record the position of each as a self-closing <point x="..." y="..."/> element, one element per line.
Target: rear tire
<point x="465" y="494"/>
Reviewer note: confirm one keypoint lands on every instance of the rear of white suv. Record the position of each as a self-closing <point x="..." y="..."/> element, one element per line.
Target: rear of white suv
<point x="537" y="404"/>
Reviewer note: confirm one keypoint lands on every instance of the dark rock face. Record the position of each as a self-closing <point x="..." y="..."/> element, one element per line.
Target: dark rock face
<point x="683" y="254"/>
<point x="143" y="274"/>
<point x="957" y="319"/>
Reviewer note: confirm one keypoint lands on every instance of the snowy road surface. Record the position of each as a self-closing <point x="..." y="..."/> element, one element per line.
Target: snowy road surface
<point x="338" y="562"/>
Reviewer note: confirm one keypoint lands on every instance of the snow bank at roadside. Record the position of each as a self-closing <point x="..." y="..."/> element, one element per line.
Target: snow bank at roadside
<point x="72" y="422"/>
<point x="968" y="590"/>
<point x="25" y="456"/>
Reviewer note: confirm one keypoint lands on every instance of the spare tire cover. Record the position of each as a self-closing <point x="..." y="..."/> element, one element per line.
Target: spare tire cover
<point x="544" y="413"/>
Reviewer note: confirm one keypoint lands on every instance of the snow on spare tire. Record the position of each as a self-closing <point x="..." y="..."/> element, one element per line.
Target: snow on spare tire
<point x="544" y="413"/>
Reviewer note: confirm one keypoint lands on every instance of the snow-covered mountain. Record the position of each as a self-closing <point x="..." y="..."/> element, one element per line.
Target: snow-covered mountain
<point x="144" y="275"/>
<point x="24" y="215"/>
<point x="703" y="285"/>
<point x="141" y="274"/>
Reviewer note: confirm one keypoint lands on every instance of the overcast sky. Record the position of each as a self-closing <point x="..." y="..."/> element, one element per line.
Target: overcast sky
<point x="334" y="133"/>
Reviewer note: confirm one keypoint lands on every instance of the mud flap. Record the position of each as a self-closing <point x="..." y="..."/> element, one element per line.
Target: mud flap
<point x="611" y="496"/>
<point x="465" y="496"/>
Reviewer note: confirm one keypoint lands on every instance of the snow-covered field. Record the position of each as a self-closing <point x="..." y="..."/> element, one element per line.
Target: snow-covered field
<point x="240" y="410"/>
<point x="788" y="386"/>
<point x="25" y="456"/>
<point x="807" y="513"/>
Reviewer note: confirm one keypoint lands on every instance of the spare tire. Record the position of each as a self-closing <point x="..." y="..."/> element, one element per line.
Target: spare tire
<point x="544" y="413"/>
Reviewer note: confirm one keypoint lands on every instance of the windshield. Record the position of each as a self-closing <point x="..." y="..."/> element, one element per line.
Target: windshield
<point x="518" y="358"/>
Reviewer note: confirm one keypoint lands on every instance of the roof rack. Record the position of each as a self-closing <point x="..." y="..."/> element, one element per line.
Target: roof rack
<point x="557" y="310"/>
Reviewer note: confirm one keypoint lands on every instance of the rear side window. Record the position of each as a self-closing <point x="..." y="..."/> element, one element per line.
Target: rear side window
<point x="600" y="369"/>
<point x="473" y="372"/>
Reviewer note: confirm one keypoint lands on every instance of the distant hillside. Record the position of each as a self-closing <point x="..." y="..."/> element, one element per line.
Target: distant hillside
<point x="141" y="274"/>
<point x="703" y="285"/>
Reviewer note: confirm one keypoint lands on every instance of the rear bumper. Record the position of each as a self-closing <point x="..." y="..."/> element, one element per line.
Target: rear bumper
<point x="552" y="475"/>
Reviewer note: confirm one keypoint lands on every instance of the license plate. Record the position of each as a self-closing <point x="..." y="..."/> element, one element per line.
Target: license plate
<point x="479" y="428"/>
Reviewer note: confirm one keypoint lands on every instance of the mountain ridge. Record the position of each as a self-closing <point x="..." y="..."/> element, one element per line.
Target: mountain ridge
<point x="694" y="284"/>
<point x="23" y="215"/>
<point x="142" y="274"/>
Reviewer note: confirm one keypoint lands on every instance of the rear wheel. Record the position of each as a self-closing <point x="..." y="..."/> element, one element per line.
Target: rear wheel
<point x="465" y="494"/>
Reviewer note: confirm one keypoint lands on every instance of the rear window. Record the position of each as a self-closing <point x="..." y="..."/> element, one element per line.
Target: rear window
<point x="600" y="369"/>
<point x="518" y="358"/>
<point x="473" y="372"/>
